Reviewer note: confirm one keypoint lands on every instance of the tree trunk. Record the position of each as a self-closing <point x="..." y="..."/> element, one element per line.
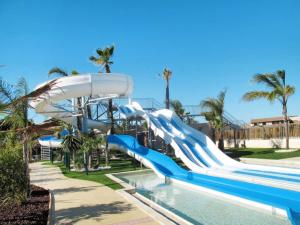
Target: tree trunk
<point x="234" y="138"/>
<point x="90" y="161"/>
<point x="286" y="123"/>
<point x="26" y="162"/>
<point x="74" y="158"/>
<point x="89" y="111"/>
<point x="106" y="157"/>
<point x="111" y="116"/>
<point x="167" y="96"/>
<point x="213" y="134"/>
<point x="86" y="161"/>
<point x="167" y="107"/>
<point x="79" y="123"/>
<point x="221" y="141"/>
<point x="110" y="107"/>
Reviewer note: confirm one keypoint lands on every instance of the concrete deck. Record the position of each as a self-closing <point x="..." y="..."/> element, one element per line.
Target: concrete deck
<point x="85" y="202"/>
<point x="290" y="162"/>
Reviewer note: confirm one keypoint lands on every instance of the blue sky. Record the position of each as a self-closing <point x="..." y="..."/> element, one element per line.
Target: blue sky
<point x="209" y="45"/>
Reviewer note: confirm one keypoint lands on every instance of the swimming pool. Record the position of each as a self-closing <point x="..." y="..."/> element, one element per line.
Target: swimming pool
<point x="195" y="206"/>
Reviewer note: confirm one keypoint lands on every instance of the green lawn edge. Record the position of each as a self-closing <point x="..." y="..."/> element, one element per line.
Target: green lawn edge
<point x="261" y="153"/>
<point x="99" y="176"/>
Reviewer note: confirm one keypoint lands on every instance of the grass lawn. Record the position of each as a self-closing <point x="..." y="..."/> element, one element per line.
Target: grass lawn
<point x="261" y="153"/>
<point x="120" y="165"/>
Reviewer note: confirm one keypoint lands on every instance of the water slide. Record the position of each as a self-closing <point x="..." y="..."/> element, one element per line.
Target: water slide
<point x="201" y="155"/>
<point x="279" y="201"/>
<point x="70" y="88"/>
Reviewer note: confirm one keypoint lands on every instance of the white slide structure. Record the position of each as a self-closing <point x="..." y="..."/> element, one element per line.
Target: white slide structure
<point x="200" y="154"/>
<point x="100" y="86"/>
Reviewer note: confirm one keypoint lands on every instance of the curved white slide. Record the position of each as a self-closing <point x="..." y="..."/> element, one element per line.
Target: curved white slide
<point x="102" y="85"/>
<point x="201" y="155"/>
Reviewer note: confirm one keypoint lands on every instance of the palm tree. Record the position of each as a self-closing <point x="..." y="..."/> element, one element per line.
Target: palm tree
<point x="213" y="113"/>
<point x="103" y="59"/>
<point x="278" y="90"/>
<point x="14" y="106"/>
<point x="71" y="143"/>
<point x="167" y="76"/>
<point x="178" y="108"/>
<point x="63" y="73"/>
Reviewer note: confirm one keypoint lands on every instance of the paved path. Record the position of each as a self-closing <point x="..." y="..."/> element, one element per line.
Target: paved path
<point x="85" y="202"/>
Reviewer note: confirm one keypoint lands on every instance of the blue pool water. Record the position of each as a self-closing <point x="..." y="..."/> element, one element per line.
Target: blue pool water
<point x="195" y="206"/>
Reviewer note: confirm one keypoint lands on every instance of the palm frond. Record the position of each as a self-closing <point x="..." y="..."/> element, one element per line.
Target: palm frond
<point x="167" y="74"/>
<point x="7" y="93"/>
<point x="57" y="70"/>
<point x="211" y="104"/>
<point x="111" y="50"/>
<point x="277" y="81"/>
<point x="22" y="87"/>
<point x="32" y="95"/>
<point x="281" y="74"/>
<point x="289" y="90"/>
<point x="177" y="107"/>
<point x="74" y="72"/>
<point x="99" y="52"/>
<point x="92" y="58"/>
<point x="254" y="95"/>
<point x="265" y="79"/>
<point x="213" y="110"/>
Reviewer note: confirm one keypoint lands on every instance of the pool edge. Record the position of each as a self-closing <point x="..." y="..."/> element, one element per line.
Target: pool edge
<point x="157" y="212"/>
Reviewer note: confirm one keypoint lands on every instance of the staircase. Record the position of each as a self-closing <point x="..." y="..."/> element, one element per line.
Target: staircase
<point x="45" y="153"/>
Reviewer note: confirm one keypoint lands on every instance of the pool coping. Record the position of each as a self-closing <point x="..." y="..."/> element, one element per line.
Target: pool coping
<point x="157" y="212"/>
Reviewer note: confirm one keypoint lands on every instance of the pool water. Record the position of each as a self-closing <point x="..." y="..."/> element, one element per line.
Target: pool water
<point x="195" y="206"/>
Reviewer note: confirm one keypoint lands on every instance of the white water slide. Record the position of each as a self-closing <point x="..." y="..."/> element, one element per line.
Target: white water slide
<point x="68" y="89"/>
<point x="200" y="154"/>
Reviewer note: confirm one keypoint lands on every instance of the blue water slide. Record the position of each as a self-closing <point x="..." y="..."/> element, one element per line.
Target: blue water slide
<point x="278" y="198"/>
<point x="169" y="124"/>
<point x="205" y="156"/>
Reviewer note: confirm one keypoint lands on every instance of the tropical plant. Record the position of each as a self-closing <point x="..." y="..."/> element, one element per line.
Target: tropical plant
<point x="278" y="90"/>
<point x="71" y="143"/>
<point x="178" y="108"/>
<point x="13" y="182"/>
<point x="14" y="107"/>
<point x="103" y="59"/>
<point x="213" y="112"/>
<point x="167" y="76"/>
<point x="89" y="143"/>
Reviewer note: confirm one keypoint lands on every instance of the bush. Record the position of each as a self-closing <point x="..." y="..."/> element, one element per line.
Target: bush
<point x="13" y="182"/>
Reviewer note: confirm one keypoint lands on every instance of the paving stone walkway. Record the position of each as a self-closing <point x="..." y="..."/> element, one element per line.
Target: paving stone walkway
<point x="85" y="202"/>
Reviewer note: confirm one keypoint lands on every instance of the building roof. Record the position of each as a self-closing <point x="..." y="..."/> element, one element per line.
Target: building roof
<point x="274" y="119"/>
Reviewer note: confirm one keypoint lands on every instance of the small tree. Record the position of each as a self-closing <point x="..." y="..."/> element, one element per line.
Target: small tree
<point x="278" y="90"/>
<point x="103" y="58"/>
<point x="13" y="182"/>
<point x="214" y="113"/>
<point x="71" y="143"/>
<point x="89" y="143"/>
<point x="178" y="108"/>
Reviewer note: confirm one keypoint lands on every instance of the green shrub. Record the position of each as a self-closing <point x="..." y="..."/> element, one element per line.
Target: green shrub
<point x="79" y="162"/>
<point x="13" y="182"/>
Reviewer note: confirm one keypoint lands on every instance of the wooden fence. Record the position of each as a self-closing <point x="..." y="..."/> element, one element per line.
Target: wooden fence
<point x="263" y="132"/>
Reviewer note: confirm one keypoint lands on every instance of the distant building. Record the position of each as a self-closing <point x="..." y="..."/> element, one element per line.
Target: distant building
<point x="273" y="121"/>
